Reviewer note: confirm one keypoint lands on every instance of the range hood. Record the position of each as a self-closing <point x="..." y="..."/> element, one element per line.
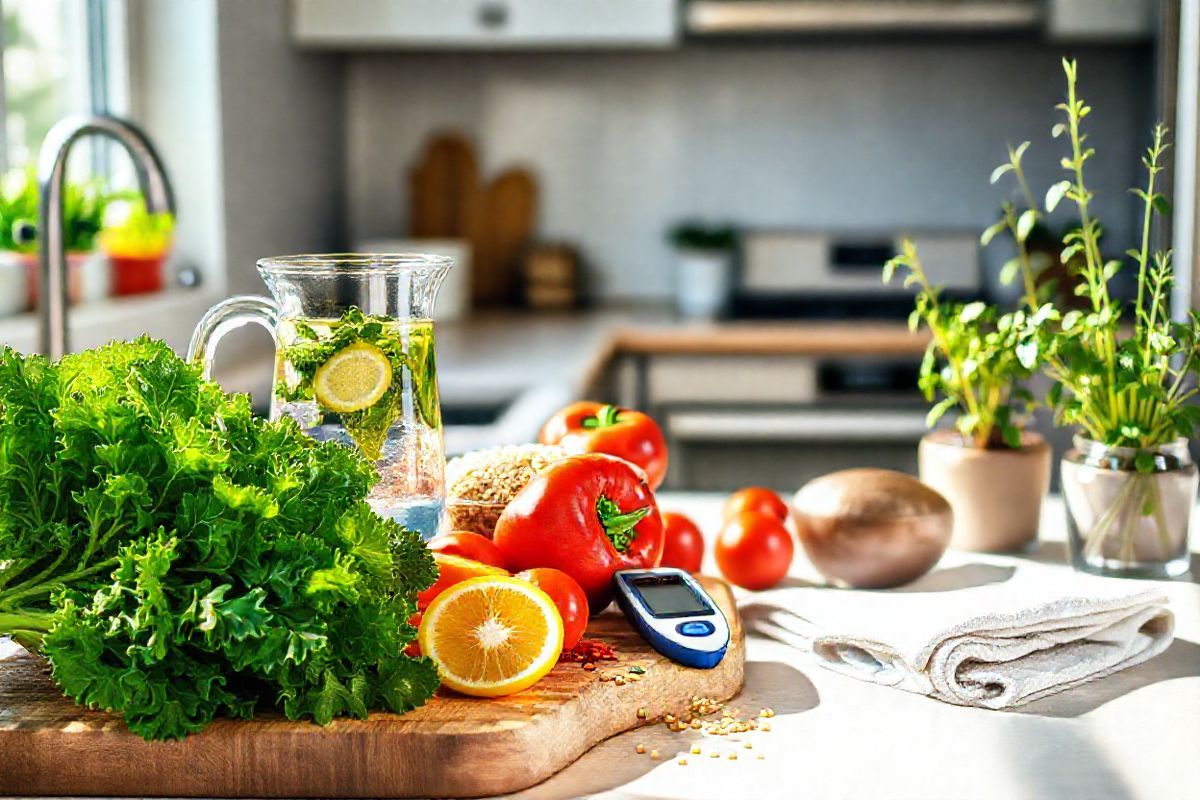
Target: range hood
<point x="734" y="17"/>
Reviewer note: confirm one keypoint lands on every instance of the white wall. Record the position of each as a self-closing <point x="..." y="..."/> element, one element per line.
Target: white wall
<point x="828" y="135"/>
<point x="175" y="91"/>
<point x="283" y="141"/>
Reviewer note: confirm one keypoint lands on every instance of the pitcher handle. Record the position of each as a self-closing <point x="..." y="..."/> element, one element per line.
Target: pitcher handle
<point x="224" y="317"/>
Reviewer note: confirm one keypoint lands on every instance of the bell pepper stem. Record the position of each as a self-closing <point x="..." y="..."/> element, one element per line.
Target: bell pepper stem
<point x="606" y="417"/>
<point x="618" y="526"/>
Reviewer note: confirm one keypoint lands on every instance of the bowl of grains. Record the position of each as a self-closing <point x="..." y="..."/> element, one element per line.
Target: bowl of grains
<point x="480" y="484"/>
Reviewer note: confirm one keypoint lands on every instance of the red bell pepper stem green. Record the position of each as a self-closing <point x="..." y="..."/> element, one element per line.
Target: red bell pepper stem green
<point x="619" y="527"/>
<point x="606" y="417"/>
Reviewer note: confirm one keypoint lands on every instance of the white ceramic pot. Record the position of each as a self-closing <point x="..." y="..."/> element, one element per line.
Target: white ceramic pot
<point x="703" y="281"/>
<point x="996" y="494"/>
<point x="14" y="284"/>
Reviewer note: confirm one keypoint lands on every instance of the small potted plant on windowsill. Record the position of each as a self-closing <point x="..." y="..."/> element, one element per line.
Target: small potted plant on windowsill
<point x="704" y="267"/>
<point x="137" y="247"/>
<point x="84" y="205"/>
<point x="993" y="472"/>
<point x="1125" y="384"/>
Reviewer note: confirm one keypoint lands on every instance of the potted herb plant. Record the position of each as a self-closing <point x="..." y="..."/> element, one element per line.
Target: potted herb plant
<point x="84" y="205"/>
<point x="704" y="267"/>
<point x="137" y="248"/>
<point x="1124" y="378"/>
<point x="993" y="472"/>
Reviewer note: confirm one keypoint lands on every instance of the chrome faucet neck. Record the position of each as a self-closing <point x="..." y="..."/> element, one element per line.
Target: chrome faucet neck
<point x="52" y="168"/>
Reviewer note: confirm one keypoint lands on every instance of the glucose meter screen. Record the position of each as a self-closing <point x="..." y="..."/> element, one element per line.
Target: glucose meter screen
<point x="670" y="598"/>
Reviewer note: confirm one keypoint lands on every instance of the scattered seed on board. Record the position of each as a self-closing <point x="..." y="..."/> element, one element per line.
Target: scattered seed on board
<point x="714" y="754"/>
<point x="683" y="762"/>
<point x="654" y="754"/>
<point x="766" y="726"/>
<point x="761" y="757"/>
<point x="733" y="756"/>
<point x="642" y="713"/>
<point x="748" y="746"/>
<point x="695" y="749"/>
<point x="641" y="748"/>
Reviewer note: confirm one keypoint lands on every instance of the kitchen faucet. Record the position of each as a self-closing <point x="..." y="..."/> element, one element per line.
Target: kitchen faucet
<point x="52" y="169"/>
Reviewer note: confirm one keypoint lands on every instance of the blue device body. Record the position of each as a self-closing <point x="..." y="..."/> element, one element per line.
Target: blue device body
<point x="674" y="614"/>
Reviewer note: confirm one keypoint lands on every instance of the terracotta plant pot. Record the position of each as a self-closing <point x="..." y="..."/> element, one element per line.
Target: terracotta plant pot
<point x="996" y="493"/>
<point x="137" y="275"/>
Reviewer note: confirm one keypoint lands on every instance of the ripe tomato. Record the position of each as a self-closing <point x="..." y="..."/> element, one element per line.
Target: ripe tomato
<point x="754" y="550"/>
<point x="454" y="569"/>
<point x="596" y="428"/>
<point x="568" y="598"/>
<point x="413" y="648"/>
<point x="683" y="546"/>
<point x="468" y="545"/>
<point x="755" y="498"/>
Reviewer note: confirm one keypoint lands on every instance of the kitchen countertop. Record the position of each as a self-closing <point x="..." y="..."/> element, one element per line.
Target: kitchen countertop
<point x="538" y="362"/>
<point x="1129" y="735"/>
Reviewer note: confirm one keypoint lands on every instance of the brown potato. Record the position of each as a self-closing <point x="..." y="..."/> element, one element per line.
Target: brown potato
<point x="871" y="528"/>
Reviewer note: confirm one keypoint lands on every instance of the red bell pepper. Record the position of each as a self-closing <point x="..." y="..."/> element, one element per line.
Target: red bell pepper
<point x="587" y="427"/>
<point x="587" y="515"/>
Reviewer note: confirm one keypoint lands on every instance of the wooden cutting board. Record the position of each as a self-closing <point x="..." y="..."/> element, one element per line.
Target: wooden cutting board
<point x="444" y="191"/>
<point x="510" y="210"/>
<point x="453" y="746"/>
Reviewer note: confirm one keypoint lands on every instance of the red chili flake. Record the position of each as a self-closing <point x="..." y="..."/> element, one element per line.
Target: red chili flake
<point x="588" y="651"/>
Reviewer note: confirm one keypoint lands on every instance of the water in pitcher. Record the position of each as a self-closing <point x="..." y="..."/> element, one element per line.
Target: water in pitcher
<point x="370" y="382"/>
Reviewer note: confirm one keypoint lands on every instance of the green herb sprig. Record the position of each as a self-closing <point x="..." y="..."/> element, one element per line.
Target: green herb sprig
<point x="974" y="360"/>
<point x="1124" y="384"/>
<point x="175" y="558"/>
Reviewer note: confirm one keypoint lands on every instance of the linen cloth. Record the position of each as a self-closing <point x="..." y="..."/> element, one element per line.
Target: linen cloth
<point x="978" y="634"/>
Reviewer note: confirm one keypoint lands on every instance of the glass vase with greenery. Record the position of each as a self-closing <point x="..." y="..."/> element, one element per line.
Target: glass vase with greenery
<point x="1123" y="376"/>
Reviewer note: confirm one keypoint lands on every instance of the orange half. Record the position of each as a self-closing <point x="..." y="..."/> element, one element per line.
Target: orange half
<point x="491" y="636"/>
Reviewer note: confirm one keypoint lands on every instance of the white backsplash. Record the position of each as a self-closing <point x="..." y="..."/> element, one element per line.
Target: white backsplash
<point x="843" y="135"/>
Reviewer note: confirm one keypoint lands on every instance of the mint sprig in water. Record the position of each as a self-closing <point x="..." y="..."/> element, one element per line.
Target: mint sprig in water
<point x="412" y="355"/>
<point x="175" y="558"/>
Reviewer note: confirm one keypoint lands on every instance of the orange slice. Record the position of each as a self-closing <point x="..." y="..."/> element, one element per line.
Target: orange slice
<point x="491" y="636"/>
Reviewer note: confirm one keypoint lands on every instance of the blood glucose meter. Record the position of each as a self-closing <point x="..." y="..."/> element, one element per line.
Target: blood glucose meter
<point x="674" y="614"/>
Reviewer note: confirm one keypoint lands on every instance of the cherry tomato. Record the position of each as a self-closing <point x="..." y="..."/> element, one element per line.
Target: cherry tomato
<point x="754" y="550"/>
<point x="755" y="498"/>
<point x="568" y="598"/>
<point x="454" y="569"/>
<point x="413" y="648"/>
<point x="683" y="546"/>
<point x="596" y="428"/>
<point x="468" y="545"/>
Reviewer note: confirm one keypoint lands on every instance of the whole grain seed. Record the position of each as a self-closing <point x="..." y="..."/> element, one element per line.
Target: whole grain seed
<point x="641" y="748"/>
<point x="654" y="754"/>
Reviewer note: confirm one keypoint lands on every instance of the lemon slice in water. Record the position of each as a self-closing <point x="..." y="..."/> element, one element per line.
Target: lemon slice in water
<point x="353" y="378"/>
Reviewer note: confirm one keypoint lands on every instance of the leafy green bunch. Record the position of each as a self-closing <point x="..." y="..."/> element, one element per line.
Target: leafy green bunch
<point x="175" y="558"/>
<point x="1124" y="383"/>
<point x="408" y="348"/>
<point x="974" y="360"/>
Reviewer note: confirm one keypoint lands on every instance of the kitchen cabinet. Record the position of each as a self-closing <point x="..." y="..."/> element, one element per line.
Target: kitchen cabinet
<point x="483" y="24"/>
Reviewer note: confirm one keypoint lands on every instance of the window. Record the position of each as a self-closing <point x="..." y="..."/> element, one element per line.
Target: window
<point x="57" y="57"/>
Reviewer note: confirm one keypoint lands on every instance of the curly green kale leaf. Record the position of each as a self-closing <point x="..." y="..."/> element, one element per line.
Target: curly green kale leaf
<point x="176" y="559"/>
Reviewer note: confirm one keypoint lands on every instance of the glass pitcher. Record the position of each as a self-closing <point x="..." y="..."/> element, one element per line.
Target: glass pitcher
<point x="355" y="364"/>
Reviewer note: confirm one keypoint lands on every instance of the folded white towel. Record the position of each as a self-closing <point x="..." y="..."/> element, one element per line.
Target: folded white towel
<point x="978" y="634"/>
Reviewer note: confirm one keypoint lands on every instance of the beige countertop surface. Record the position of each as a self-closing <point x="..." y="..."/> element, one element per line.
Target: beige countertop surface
<point x="1135" y="734"/>
<point x="538" y="362"/>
